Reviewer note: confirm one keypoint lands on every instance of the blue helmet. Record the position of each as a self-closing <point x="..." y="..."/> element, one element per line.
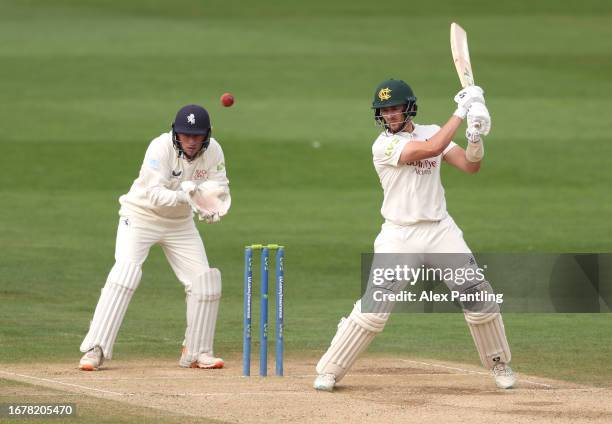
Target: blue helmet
<point x="193" y="120"/>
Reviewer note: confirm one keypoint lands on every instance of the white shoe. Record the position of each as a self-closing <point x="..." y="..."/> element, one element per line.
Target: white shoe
<point x="204" y="361"/>
<point x="92" y="360"/>
<point x="325" y="382"/>
<point x="504" y="377"/>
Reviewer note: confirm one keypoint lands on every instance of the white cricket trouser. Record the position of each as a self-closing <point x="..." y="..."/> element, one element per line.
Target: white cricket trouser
<point x="184" y="249"/>
<point x="441" y="237"/>
<point x="424" y="237"/>
<point x="355" y="333"/>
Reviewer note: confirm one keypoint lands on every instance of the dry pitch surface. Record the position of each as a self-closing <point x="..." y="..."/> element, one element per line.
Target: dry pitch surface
<point x="379" y="389"/>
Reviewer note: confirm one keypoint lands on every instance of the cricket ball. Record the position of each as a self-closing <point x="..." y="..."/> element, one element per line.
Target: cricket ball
<point x="227" y="99"/>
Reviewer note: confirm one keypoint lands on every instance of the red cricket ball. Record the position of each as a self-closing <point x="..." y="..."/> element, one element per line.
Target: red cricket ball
<point x="227" y="99"/>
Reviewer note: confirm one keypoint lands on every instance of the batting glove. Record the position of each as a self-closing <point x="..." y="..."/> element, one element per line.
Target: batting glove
<point x="472" y="134"/>
<point x="466" y="97"/>
<point x="478" y="118"/>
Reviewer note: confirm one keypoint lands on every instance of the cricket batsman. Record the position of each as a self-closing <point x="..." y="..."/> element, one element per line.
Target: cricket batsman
<point x="407" y="158"/>
<point x="183" y="172"/>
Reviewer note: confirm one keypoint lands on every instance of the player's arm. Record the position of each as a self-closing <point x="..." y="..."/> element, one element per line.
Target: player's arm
<point x="434" y="146"/>
<point x="457" y="157"/>
<point x="159" y="195"/>
<point x="153" y="172"/>
<point x="216" y="170"/>
<point x="479" y="123"/>
<point x="212" y="200"/>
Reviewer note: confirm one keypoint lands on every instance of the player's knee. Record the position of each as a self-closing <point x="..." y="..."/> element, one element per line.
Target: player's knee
<point x="207" y="286"/>
<point x="478" y="318"/>
<point x="478" y="298"/>
<point x="475" y="292"/>
<point x="125" y="275"/>
<point x="373" y="322"/>
<point x="377" y="298"/>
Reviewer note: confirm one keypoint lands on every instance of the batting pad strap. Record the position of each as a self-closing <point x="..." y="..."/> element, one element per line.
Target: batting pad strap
<point x="489" y="336"/>
<point x="121" y="283"/>
<point x="202" y="309"/>
<point x="353" y="336"/>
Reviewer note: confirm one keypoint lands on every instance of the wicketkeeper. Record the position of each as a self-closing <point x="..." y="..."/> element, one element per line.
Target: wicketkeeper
<point x="407" y="157"/>
<point x="183" y="172"/>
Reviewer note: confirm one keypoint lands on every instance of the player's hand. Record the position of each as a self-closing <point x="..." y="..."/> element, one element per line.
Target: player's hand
<point x="473" y="134"/>
<point x="466" y="97"/>
<point x="186" y="191"/>
<point x="478" y="118"/>
<point x="188" y="187"/>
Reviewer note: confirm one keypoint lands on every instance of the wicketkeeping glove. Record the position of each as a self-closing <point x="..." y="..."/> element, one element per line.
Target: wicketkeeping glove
<point x="212" y="200"/>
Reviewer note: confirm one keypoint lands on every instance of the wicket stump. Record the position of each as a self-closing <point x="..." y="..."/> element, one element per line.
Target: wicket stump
<point x="263" y="319"/>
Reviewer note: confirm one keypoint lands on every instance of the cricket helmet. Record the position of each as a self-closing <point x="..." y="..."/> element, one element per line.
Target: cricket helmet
<point x="393" y="92"/>
<point x="192" y="120"/>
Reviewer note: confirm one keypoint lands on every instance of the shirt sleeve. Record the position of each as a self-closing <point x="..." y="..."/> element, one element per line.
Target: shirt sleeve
<point x="154" y="174"/>
<point x="448" y="148"/>
<point x="387" y="151"/>
<point x="216" y="170"/>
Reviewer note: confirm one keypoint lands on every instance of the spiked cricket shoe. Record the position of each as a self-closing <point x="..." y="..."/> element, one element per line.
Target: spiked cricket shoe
<point x="504" y="377"/>
<point x="325" y="382"/>
<point x="204" y="361"/>
<point x="92" y="360"/>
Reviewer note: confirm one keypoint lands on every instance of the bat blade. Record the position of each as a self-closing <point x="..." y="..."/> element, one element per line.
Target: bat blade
<point x="461" y="54"/>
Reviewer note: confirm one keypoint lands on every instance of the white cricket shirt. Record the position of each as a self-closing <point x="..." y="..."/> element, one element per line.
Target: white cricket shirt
<point x="412" y="192"/>
<point x="154" y="193"/>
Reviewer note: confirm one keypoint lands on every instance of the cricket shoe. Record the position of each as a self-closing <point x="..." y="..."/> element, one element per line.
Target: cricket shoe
<point x="325" y="382"/>
<point x="204" y="361"/>
<point x="92" y="360"/>
<point x="504" y="377"/>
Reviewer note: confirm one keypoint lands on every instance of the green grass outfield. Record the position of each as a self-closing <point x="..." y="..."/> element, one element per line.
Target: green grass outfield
<point x="84" y="86"/>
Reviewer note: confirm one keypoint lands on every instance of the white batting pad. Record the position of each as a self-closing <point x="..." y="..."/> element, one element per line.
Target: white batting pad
<point x="114" y="300"/>
<point x="202" y="309"/>
<point x="353" y="336"/>
<point x="490" y="338"/>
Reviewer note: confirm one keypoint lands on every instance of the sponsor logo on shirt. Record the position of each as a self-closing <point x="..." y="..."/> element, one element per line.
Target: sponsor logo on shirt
<point x="199" y="174"/>
<point x="423" y="167"/>
<point x="177" y="173"/>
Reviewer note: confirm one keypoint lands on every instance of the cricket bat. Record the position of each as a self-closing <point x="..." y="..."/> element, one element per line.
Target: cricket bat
<point x="461" y="57"/>
<point x="461" y="54"/>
